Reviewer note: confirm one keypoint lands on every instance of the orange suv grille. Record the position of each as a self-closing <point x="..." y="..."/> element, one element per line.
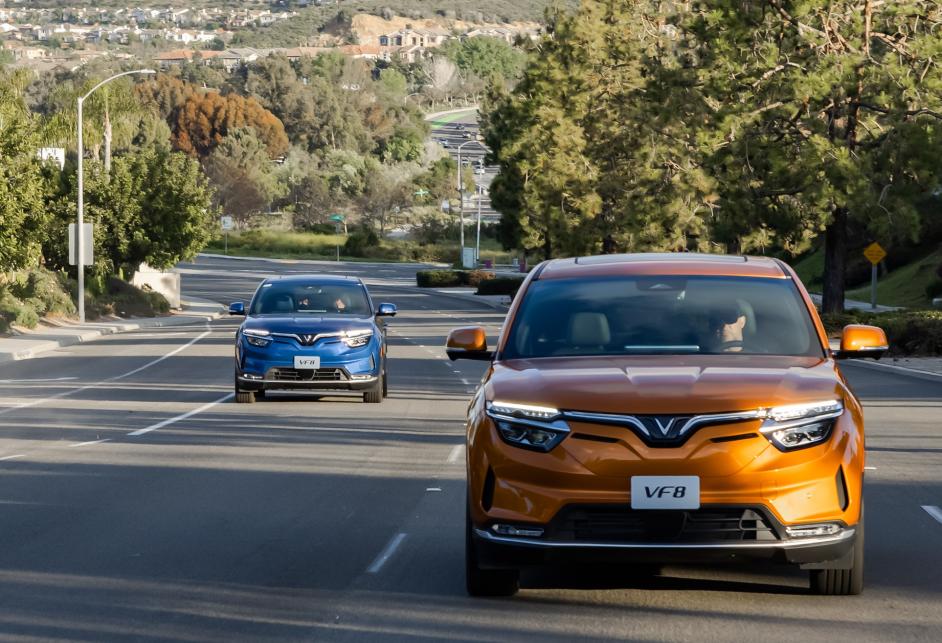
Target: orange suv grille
<point x="590" y="523"/>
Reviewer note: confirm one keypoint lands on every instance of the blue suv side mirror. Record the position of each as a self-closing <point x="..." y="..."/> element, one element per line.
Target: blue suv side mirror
<point x="386" y="310"/>
<point x="237" y="308"/>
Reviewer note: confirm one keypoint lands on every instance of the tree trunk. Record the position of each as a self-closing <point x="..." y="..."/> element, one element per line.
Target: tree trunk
<point x="835" y="256"/>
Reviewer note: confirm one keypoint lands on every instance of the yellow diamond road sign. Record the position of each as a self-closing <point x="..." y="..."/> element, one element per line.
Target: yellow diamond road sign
<point x="875" y="253"/>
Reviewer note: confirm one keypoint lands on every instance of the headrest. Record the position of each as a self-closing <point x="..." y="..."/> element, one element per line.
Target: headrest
<point x="589" y="329"/>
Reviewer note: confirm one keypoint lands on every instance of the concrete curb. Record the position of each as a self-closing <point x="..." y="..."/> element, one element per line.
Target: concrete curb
<point x="195" y="310"/>
<point x="434" y="115"/>
<point x="462" y="296"/>
<point x="902" y="370"/>
<point x="454" y="295"/>
<point x="316" y="262"/>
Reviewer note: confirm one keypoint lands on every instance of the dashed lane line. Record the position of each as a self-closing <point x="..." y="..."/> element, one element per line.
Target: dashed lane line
<point x="26" y="405"/>
<point x="455" y="454"/>
<point x="933" y="511"/>
<point x="90" y="442"/>
<point x="386" y="554"/>
<point x="182" y="416"/>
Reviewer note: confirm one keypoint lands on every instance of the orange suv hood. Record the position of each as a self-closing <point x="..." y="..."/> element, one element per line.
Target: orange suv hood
<point x="665" y="385"/>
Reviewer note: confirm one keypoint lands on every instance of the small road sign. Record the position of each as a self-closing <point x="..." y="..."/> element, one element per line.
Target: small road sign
<point x="227" y="223"/>
<point x="88" y="245"/>
<point x="337" y="217"/>
<point x="875" y="253"/>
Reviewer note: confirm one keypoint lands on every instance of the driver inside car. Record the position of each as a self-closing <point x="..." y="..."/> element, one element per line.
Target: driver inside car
<point x="726" y="324"/>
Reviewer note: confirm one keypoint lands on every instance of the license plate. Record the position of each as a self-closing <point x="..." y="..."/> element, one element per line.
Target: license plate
<point x="307" y="362"/>
<point x="665" y="492"/>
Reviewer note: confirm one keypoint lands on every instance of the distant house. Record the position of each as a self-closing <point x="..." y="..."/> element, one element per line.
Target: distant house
<point x="233" y="58"/>
<point x="168" y="59"/>
<point x="412" y="53"/>
<point x="297" y="53"/>
<point x="412" y="37"/>
<point x="365" y="52"/>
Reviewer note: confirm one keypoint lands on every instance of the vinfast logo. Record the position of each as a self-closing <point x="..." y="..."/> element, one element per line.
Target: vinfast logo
<point x="668" y="427"/>
<point x="307" y="340"/>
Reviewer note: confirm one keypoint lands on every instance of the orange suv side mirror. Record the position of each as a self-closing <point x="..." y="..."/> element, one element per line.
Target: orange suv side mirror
<point x="858" y="340"/>
<point x="468" y="342"/>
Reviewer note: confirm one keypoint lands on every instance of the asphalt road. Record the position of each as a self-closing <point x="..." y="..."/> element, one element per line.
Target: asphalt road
<point x="451" y="137"/>
<point x="138" y="502"/>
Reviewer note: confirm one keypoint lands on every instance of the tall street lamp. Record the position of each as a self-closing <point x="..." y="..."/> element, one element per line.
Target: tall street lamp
<point x="461" y="193"/>
<point x="79" y="230"/>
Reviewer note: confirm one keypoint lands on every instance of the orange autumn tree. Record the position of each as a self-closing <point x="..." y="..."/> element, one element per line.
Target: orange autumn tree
<point x="204" y="120"/>
<point x="201" y="118"/>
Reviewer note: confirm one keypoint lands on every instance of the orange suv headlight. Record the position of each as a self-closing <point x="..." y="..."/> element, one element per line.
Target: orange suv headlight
<point x="796" y="426"/>
<point x="538" y="428"/>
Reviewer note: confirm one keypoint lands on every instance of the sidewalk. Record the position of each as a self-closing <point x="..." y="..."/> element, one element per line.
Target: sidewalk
<point x="53" y="335"/>
<point x="924" y="368"/>
<point x="850" y="304"/>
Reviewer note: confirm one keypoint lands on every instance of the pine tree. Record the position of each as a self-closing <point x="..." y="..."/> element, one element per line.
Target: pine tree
<point x="823" y="115"/>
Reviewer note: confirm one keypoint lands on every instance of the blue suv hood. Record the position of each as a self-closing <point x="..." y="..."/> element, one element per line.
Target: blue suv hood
<point x="307" y="324"/>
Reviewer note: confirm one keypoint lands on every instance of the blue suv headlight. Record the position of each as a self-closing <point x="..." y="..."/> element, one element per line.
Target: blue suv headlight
<point x="259" y="338"/>
<point x="357" y="338"/>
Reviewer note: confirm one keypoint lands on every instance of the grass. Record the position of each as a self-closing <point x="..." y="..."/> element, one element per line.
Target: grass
<point x="905" y="286"/>
<point x="810" y="269"/>
<point x="274" y="244"/>
<point x="280" y="245"/>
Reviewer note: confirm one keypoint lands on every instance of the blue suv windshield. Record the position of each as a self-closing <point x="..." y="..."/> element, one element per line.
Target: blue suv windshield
<point x="311" y="299"/>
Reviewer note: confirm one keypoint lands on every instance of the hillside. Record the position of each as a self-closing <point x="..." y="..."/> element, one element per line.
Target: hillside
<point x="367" y="19"/>
<point x="366" y="28"/>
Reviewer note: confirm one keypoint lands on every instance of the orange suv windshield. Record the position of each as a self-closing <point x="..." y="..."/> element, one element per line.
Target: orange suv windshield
<point x="662" y="316"/>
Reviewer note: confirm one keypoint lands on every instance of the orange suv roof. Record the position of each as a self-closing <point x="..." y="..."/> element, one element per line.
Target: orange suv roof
<point x="678" y="263"/>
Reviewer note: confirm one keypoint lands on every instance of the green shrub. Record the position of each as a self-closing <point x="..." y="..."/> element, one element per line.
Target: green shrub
<point x="916" y="332"/>
<point x="475" y="277"/>
<point x="437" y="278"/>
<point x="48" y="293"/>
<point x="15" y="311"/>
<point x="360" y="242"/>
<point x="125" y="300"/>
<point x="500" y="286"/>
<point x="934" y="289"/>
<point x="450" y="278"/>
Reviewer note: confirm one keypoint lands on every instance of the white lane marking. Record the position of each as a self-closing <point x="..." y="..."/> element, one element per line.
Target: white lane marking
<point x="183" y="416"/>
<point x="870" y="468"/>
<point x="455" y="454"/>
<point x="26" y="405"/>
<point x="11" y="457"/>
<point x="37" y="381"/>
<point x="935" y="512"/>
<point x="387" y="553"/>
<point x="433" y="488"/>
<point x="160" y="359"/>
<point x="85" y="444"/>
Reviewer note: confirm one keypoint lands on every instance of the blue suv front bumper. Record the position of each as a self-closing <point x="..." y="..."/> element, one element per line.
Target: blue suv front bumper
<point x="341" y="368"/>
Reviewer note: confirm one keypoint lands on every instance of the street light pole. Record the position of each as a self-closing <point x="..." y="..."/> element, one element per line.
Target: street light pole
<point x="79" y="231"/>
<point x="461" y="194"/>
<point x="477" y="246"/>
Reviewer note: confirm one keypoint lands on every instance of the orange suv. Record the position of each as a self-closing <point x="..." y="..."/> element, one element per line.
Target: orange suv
<point x="664" y="408"/>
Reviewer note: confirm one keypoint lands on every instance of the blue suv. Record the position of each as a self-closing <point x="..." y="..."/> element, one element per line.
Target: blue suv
<point x="312" y="332"/>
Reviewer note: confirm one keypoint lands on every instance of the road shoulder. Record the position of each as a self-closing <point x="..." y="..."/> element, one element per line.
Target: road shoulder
<point x="49" y="338"/>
